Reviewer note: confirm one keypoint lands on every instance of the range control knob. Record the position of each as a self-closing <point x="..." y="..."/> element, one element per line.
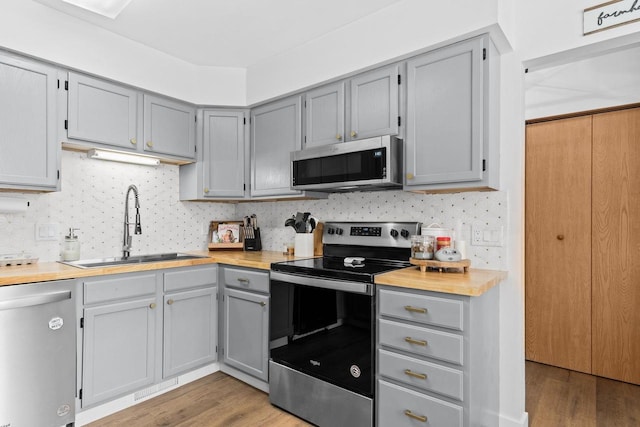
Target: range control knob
<point x="339" y="231"/>
<point x="331" y="231"/>
<point x="405" y="234"/>
<point x="394" y="233"/>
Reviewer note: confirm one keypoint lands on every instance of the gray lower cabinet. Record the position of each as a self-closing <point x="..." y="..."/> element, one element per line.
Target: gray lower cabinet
<point x="437" y="358"/>
<point x="30" y="158"/>
<point x="451" y="118"/>
<point x="245" y="341"/>
<point x="220" y="170"/>
<point x="141" y="328"/>
<point x="121" y="321"/>
<point x="190" y="319"/>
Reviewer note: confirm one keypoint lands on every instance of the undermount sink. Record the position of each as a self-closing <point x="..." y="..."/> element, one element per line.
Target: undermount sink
<point x="135" y="259"/>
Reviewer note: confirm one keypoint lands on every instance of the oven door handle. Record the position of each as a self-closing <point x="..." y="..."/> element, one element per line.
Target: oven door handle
<point x="338" y="285"/>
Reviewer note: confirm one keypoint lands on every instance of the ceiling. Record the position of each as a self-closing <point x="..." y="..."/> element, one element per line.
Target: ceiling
<point x="227" y="33"/>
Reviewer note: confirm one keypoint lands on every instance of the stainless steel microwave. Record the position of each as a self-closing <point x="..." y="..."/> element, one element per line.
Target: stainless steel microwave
<point x="365" y="164"/>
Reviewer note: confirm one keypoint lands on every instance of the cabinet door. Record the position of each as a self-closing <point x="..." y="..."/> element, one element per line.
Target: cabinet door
<point x="102" y="112"/>
<point x="223" y="154"/>
<point x="324" y="113"/>
<point x="616" y="244"/>
<point x="558" y="243"/>
<point x="374" y="100"/>
<point x="445" y="120"/>
<point x="116" y="363"/>
<point x="246" y="332"/>
<point x="190" y="330"/>
<point x="169" y="127"/>
<point x="28" y="115"/>
<point x="276" y="130"/>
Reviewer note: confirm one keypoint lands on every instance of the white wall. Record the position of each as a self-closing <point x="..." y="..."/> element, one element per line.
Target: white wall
<point x="45" y="33"/>
<point x="397" y="30"/>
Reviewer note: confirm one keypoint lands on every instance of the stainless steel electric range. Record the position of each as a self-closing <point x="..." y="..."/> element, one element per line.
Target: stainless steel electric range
<point x="322" y="330"/>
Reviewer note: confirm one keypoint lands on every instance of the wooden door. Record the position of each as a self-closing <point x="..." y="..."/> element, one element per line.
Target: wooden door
<point x="616" y="245"/>
<point x="558" y="243"/>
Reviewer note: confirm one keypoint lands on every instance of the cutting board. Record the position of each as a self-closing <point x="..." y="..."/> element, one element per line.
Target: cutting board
<point x="317" y="239"/>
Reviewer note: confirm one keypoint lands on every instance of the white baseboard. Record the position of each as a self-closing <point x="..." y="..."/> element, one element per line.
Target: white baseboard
<point x="510" y="422"/>
<point x="92" y="414"/>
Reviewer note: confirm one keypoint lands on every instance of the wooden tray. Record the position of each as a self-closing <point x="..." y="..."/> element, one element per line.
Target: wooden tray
<point x="441" y="265"/>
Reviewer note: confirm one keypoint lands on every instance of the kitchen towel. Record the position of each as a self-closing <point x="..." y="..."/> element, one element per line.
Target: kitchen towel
<point x="13" y="205"/>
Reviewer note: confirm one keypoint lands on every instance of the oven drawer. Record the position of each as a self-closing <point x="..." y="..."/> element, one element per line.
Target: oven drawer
<point x="398" y="407"/>
<point x="421" y="374"/>
<point x="245" y="279"/>
<point x="447" y="313"/>
<point x="421" y="341"/>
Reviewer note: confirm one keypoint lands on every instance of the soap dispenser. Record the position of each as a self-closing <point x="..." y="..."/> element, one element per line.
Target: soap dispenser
<point x="71" y="246"/>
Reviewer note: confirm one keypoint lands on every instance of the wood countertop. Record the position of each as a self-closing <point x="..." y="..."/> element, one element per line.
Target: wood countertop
<point x="474" y="282"/>
<point x="46" y="271"/>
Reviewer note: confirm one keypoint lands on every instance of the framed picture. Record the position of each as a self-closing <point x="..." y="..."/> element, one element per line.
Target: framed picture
<point x="225" y="235"/>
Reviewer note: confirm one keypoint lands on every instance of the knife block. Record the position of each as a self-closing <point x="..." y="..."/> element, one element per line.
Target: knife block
<point x="255" y="243"/>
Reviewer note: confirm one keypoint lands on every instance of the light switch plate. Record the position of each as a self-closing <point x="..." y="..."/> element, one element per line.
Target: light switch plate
<point x="47" y="231"/>
<point x="486" y="236"/>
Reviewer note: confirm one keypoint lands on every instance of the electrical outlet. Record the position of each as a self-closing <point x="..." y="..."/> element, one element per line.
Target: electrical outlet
<point x="486" y="236"/>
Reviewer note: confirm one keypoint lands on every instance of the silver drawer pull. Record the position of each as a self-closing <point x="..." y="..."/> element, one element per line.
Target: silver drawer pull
<point x="415" y="309"/>
<point x="410" y="414"/>
<point x="415" y="374"/>
<point x="262" y="303"/>
<point x="417" y="342"/>
<point x="243" y="280"/>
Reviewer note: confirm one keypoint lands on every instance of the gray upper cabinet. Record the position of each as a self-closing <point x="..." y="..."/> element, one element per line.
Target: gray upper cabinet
<point x="169" y="127"/>
<point x="102" y="112"/>
<point x="30" y="156"/>
<point x="276" y="130"/>
<point x="448" y="127"/>
<point x="374" y="103"/>
<point x="324" y="115"/>
<point x="223" y="154"/>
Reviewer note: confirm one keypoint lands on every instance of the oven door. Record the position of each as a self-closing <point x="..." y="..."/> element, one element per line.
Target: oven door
<point x="325" y="329"/>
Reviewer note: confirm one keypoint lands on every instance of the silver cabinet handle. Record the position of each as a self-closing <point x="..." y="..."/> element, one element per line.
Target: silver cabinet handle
<point x="243" y="280"/>
<point x="262" y="303"/>
<point x="35" y="300"/>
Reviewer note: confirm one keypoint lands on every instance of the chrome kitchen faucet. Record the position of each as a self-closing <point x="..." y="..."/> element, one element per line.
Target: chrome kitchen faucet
<point x="126" y="247"/>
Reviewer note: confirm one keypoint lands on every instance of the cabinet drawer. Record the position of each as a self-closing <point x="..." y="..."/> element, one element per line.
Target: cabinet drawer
<point x="447" y="313"/>
<point x="191" y="278"/>
<point x="246" y="279"/>
<point x="421" y="341"/>
<point x="421" y="374"/>
<point x="119" y="288"/>
<point x="396" y="404"/>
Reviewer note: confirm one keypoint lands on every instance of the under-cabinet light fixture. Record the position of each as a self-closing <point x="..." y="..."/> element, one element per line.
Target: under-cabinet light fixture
<point x="115" y="156"/>
<point x="109" y="8"/>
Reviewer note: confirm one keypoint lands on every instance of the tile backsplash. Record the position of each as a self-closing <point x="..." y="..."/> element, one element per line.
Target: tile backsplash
<point x="93" y="195"/>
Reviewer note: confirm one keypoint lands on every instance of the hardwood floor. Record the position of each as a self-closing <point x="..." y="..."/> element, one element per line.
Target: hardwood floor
<point x="215" y="400"/>
<point x="558" y="397"/>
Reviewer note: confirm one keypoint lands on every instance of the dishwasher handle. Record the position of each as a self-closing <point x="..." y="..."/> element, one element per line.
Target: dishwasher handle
<point x="35" y="299"/>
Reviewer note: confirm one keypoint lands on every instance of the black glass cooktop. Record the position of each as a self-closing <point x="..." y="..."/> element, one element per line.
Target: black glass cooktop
<point x="337" y="268"/>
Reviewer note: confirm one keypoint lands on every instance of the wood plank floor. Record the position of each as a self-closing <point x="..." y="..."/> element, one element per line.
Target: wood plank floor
<point x="558" y="397"/>
<point x="215" y="400"/>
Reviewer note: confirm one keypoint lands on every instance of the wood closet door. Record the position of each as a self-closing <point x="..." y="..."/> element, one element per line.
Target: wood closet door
<point x="558" y="243"/>
<point x="616" y="245"/>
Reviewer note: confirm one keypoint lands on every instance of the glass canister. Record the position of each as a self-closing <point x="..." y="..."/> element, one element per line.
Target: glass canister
<point x="422" y="247"/>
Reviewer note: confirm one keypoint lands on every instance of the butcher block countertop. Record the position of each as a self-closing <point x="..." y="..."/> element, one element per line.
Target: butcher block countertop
<point x="474" y="282"/>
<point x="46" y="271"/>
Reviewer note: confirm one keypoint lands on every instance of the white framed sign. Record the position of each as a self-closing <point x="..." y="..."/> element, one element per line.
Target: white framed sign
<point x="610" y="14"/>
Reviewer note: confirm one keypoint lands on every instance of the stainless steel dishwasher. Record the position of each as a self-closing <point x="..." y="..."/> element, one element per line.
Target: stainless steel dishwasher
<point x="38" y="354"/>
